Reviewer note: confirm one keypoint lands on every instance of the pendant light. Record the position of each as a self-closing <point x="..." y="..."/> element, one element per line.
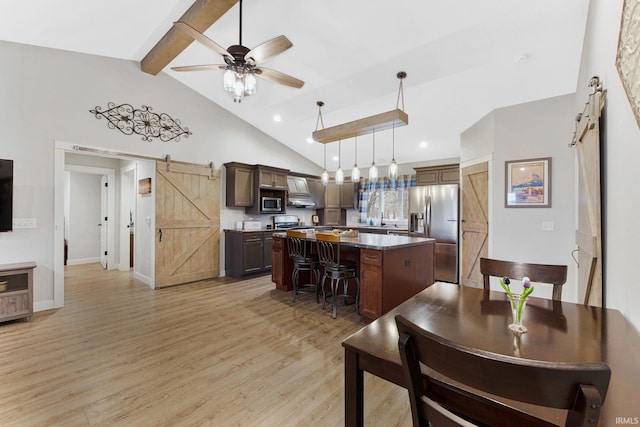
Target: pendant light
<point x="373" y="170"/>
<point x="355" y="172"/>
<point x="339" y="172"/>
<point x="325" y="174"/>
<point x="393" y="167"/>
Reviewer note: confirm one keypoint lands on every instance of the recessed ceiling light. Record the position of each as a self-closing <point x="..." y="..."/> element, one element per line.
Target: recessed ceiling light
<point x="309" y="140"/>
<point x="520" y="58"/>
<point x="277" y="118"/>
<point x="423" y="144"/>
<point x="336" y="158"/>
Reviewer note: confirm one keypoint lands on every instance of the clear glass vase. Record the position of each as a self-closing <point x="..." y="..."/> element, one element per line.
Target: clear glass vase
<point x="517" y="311"/>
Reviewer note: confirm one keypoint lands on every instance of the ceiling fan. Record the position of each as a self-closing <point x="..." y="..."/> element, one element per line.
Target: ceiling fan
<point x="242" y="63"/>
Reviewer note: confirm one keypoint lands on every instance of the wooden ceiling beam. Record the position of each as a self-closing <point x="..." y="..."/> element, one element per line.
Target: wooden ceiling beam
<point x="201" y="15"/>
<point x="367" y="125"/>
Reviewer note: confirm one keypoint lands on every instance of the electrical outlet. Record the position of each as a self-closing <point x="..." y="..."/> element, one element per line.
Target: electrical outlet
<point x="547" y="226"/>
<point x="19" y="223"/>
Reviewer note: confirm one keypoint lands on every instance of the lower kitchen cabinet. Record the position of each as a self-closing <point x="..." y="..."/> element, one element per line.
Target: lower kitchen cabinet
<point x="247" y="253"/>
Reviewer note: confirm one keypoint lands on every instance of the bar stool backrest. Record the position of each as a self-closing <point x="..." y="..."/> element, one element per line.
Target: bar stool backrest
<point x="328" y="248"/>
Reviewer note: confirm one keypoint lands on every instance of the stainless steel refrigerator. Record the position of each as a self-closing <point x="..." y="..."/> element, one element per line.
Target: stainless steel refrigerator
<point x="434" y="213"/>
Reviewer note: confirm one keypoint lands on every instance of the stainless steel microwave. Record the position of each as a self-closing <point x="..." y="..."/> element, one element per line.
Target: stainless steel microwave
<point x="270" y="204"/>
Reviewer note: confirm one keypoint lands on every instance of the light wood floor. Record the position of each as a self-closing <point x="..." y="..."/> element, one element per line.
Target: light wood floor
<point x="218" y="353"/>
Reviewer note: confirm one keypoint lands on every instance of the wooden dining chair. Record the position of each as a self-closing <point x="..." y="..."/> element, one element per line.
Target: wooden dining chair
<point x="578" y="387"/>
<point x="540" y="273"/>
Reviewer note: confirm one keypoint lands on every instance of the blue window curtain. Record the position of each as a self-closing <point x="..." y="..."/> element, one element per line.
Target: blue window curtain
<point x="368" y="189"/>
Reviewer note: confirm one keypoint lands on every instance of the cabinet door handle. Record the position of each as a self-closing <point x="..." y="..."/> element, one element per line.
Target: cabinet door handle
<point x="160" y="232"/>
<point x="371" y="256"/>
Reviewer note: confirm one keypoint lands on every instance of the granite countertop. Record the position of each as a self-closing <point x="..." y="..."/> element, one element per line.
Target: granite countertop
<point x="374" y="241"/>
<point x="233" y="230"/>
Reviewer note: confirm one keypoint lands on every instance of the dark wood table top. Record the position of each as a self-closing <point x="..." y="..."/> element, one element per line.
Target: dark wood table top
<point x="558" y="331"/>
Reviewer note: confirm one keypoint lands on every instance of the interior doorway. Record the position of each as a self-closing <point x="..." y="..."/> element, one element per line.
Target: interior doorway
<point x="89" y="232"/>
<point x="119" y="186"/>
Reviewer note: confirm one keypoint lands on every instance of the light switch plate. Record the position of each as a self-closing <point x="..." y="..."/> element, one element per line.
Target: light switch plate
<point x="547" y="226"/>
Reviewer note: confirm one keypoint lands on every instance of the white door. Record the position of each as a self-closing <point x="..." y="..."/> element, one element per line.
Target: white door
<point x="104" y="220"/>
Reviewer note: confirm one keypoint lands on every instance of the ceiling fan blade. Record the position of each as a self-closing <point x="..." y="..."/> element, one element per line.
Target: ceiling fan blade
<point x="278" y="77"/>
<point x="197" y="35"/>
<point x="200" y="67"/>
<point x="268" y="49"/>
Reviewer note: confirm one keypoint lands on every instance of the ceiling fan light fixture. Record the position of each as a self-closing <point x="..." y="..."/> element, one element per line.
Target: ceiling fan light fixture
<point x="229" y="79"/>
<point x="238" y="90"/>
<point x="250" y="84"/>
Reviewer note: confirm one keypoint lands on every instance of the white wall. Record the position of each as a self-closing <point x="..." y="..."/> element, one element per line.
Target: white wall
<point x="621" y="146"/>
<point x="47" y="95"/>
<point x="145" y="223"/>
<point x="535" y="129"/>
<point x="84" y="217"/>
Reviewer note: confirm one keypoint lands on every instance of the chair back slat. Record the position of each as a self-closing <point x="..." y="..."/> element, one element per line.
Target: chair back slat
<point x="328" y="248"/>
<point x="552" y="384"/>
<point x="540" y="273"/>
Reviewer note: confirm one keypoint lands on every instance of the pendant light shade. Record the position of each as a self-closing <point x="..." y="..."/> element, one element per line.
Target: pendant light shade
<point x="325" y="174"/>
<point x="373" y="170"/>
<point x="355" y="172"/>
<point x="339" y="172"/>
<point x="393" y="167"/>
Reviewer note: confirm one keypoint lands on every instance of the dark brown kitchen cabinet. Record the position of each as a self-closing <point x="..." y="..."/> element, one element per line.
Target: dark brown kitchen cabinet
<point x="332" y="195"/>
<point x="247" y="253"/>
<point x="272" y="178"/>
<point x="337" y="199"/>
<point x="239" y="185"/>
<point x="445" y="174"/>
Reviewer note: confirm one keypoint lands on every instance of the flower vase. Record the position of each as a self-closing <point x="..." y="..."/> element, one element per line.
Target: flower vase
<point x="517" y="310"/>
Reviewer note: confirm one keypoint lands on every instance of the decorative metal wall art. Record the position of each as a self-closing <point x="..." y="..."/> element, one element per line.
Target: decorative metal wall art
<point x="628" y="55"/>
<point x="143" y="121"/>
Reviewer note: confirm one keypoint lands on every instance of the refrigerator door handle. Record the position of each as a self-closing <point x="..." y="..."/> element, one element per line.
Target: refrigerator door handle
<point x="427" y="222"/>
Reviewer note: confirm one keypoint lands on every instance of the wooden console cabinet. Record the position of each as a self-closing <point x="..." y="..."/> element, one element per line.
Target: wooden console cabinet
<point x="16" y="291"/>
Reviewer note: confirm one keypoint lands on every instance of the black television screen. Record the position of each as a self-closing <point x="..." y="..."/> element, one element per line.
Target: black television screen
<point x="6" y="195"/>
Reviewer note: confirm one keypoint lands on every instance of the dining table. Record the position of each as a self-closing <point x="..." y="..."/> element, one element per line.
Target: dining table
<point x="558" y="331"/>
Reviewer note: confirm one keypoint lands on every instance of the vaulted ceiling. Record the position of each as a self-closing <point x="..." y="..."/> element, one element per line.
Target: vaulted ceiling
<point x="463" y="58"/>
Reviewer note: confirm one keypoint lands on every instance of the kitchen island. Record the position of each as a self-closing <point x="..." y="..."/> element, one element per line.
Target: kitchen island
<point x="391" y="268"/>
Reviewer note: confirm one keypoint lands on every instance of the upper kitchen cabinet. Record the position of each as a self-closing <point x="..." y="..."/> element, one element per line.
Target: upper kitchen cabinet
<point x="445" y="174"/>
<point x="340" y="196"/>
<point x="239" y="185"/>
<point x="297" y="185"/>
<point x="272" y="178"/>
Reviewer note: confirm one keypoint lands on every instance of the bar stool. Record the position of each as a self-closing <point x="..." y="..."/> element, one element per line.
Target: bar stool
<point x="337" y="270"/>
<point x="303" y="260"/>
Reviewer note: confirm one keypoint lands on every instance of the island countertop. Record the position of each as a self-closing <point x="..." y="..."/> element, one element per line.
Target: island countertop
<point x="381" y="242"/>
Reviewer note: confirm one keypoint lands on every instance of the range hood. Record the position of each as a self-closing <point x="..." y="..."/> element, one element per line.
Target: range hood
<point x="299" y="194"/>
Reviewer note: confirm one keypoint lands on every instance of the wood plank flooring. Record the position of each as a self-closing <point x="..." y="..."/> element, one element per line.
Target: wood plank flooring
<point x="217" y="353"/>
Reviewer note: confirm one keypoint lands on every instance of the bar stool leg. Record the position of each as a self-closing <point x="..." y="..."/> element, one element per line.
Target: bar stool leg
<point x="335" y="284"/>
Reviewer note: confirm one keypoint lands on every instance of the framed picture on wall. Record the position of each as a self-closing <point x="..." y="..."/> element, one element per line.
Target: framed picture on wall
<point x="144" y="186"/>
<point x="528" y="183"/>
